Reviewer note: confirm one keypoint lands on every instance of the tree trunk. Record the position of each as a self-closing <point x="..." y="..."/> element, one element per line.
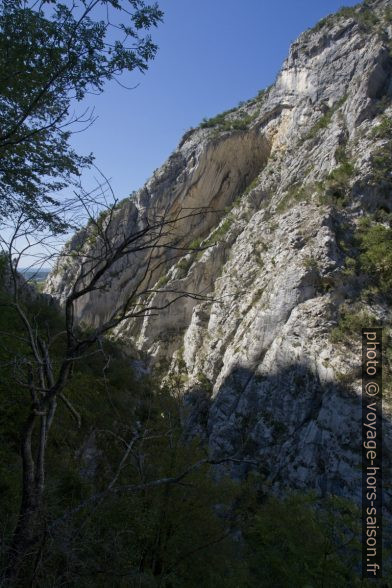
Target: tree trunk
<point x="26" y="531"/>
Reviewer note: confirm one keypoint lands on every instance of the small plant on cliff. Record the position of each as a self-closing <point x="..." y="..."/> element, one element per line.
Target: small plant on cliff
<point x="222" y="123"/>
<point x="375" y="245"/>
<point x="350" y="323"/>
<point x="383" y="130"/>
<point x="335" y="188"/>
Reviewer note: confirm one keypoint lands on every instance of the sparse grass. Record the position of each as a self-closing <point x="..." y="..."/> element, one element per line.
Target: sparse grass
<point x="251" y="186"/>
<point x="311" y="263"/>
<point x="262" y="94"/>
<point x="363" y="15"/>
<point x="318" y="26"/>
<point x="223" y="228"/>
<point x="217" y="235"/>
<point x="296" y="193"/>
<point x="324" y="121"/>
<point x="215" y="120"/>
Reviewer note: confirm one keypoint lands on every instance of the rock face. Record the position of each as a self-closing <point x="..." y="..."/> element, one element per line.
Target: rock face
<point x="270" y="366"/>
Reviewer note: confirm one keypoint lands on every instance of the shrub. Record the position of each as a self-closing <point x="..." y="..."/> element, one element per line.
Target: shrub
<point x="384" y="128"/>
<point x="185" y="263"/>
<point x="311" y="263"/>
<point x="292" y="542"/>
<point x="221" y="123"/>
<point x="163" y="280"/>
<point x="350" y="323"/>
<point x="335" y="188"/>
<point x="322" y="123"/>
<point x="364" y="15"/>
<point x="381" y="161"/>
<point x="375" y="244"/>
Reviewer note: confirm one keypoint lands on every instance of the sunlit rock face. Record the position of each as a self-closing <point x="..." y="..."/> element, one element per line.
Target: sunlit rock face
<point x="288" y="176"/>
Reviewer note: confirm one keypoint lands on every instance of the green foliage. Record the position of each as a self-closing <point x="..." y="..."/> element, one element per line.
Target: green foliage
<point x="251" y="186"/>
<point x="169" y="535"/>
<point x="51" y="57"/>
<point x="185" y="263"/>
<point x="381" y="160"/>
<point x="350" y="267"/>
<point x="375" y="245"/>
<point x="388" y="14"/>
<point x="383" y="130"/>
<point x="364" y="15"/>
<point x="195" y="244"/>
<point x="163" y="280"/>
<point x="260" y="96"/>
<point x="3" y="264"/>
<point x="351" y="321"/>
<point x="319" y="25"/>
<point x="311" y="263"/>
<point x="297" y="542"/>
<point x="223" y="228"/>
<point x="335" y="189"/>
<point x="322" y="123"/>
<point x="222" y="123"/>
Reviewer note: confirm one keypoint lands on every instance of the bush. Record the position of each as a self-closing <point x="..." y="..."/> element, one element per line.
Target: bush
<point x="384" y="128"/>
<point x="335" y="188"/>
<point x="375" y="245"/>
<point x="221" y="123"/>
<point x="292" y="542"/>
<point x="381" y="161"/>
<point x="350" y="323"/>
<point x="163" y="280"/>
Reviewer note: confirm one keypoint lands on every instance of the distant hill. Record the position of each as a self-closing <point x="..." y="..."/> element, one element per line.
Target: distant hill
<point x="35" y="274"/>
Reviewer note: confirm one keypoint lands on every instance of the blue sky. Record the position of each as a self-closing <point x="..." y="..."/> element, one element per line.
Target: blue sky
<point x="212" y="54"/>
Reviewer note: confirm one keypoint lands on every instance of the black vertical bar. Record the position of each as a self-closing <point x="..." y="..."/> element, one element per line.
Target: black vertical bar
<point x="372" y="453"/>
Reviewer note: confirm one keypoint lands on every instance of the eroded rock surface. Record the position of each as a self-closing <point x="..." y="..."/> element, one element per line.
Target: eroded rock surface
<point x="265" y="371"/>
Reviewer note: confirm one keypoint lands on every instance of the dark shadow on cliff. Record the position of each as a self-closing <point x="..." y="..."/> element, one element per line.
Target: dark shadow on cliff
<point x="305" y="434"/>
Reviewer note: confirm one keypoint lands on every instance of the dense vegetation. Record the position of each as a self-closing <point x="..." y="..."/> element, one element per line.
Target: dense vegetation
<point x="128" y="498"/>
<point x="104" y="522"/>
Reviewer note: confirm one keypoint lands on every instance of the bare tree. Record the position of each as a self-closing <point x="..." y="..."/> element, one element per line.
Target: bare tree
<point x="44" y="378"/>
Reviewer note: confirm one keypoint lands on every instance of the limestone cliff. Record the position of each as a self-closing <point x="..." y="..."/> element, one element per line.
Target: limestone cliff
<point x="296" y="176"/>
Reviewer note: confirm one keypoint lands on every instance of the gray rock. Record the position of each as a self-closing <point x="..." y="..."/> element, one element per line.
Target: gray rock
<point x="262" y="376"/>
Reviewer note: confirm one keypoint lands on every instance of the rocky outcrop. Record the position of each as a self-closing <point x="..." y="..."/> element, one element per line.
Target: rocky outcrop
<point x="269" y="363"/>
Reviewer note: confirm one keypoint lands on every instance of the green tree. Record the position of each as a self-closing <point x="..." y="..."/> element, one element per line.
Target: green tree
<point x="52" y="54"/>
<point x="303" y="541"/>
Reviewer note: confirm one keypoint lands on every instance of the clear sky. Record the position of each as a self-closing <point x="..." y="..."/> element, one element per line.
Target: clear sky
<point x="212" y="54"/>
